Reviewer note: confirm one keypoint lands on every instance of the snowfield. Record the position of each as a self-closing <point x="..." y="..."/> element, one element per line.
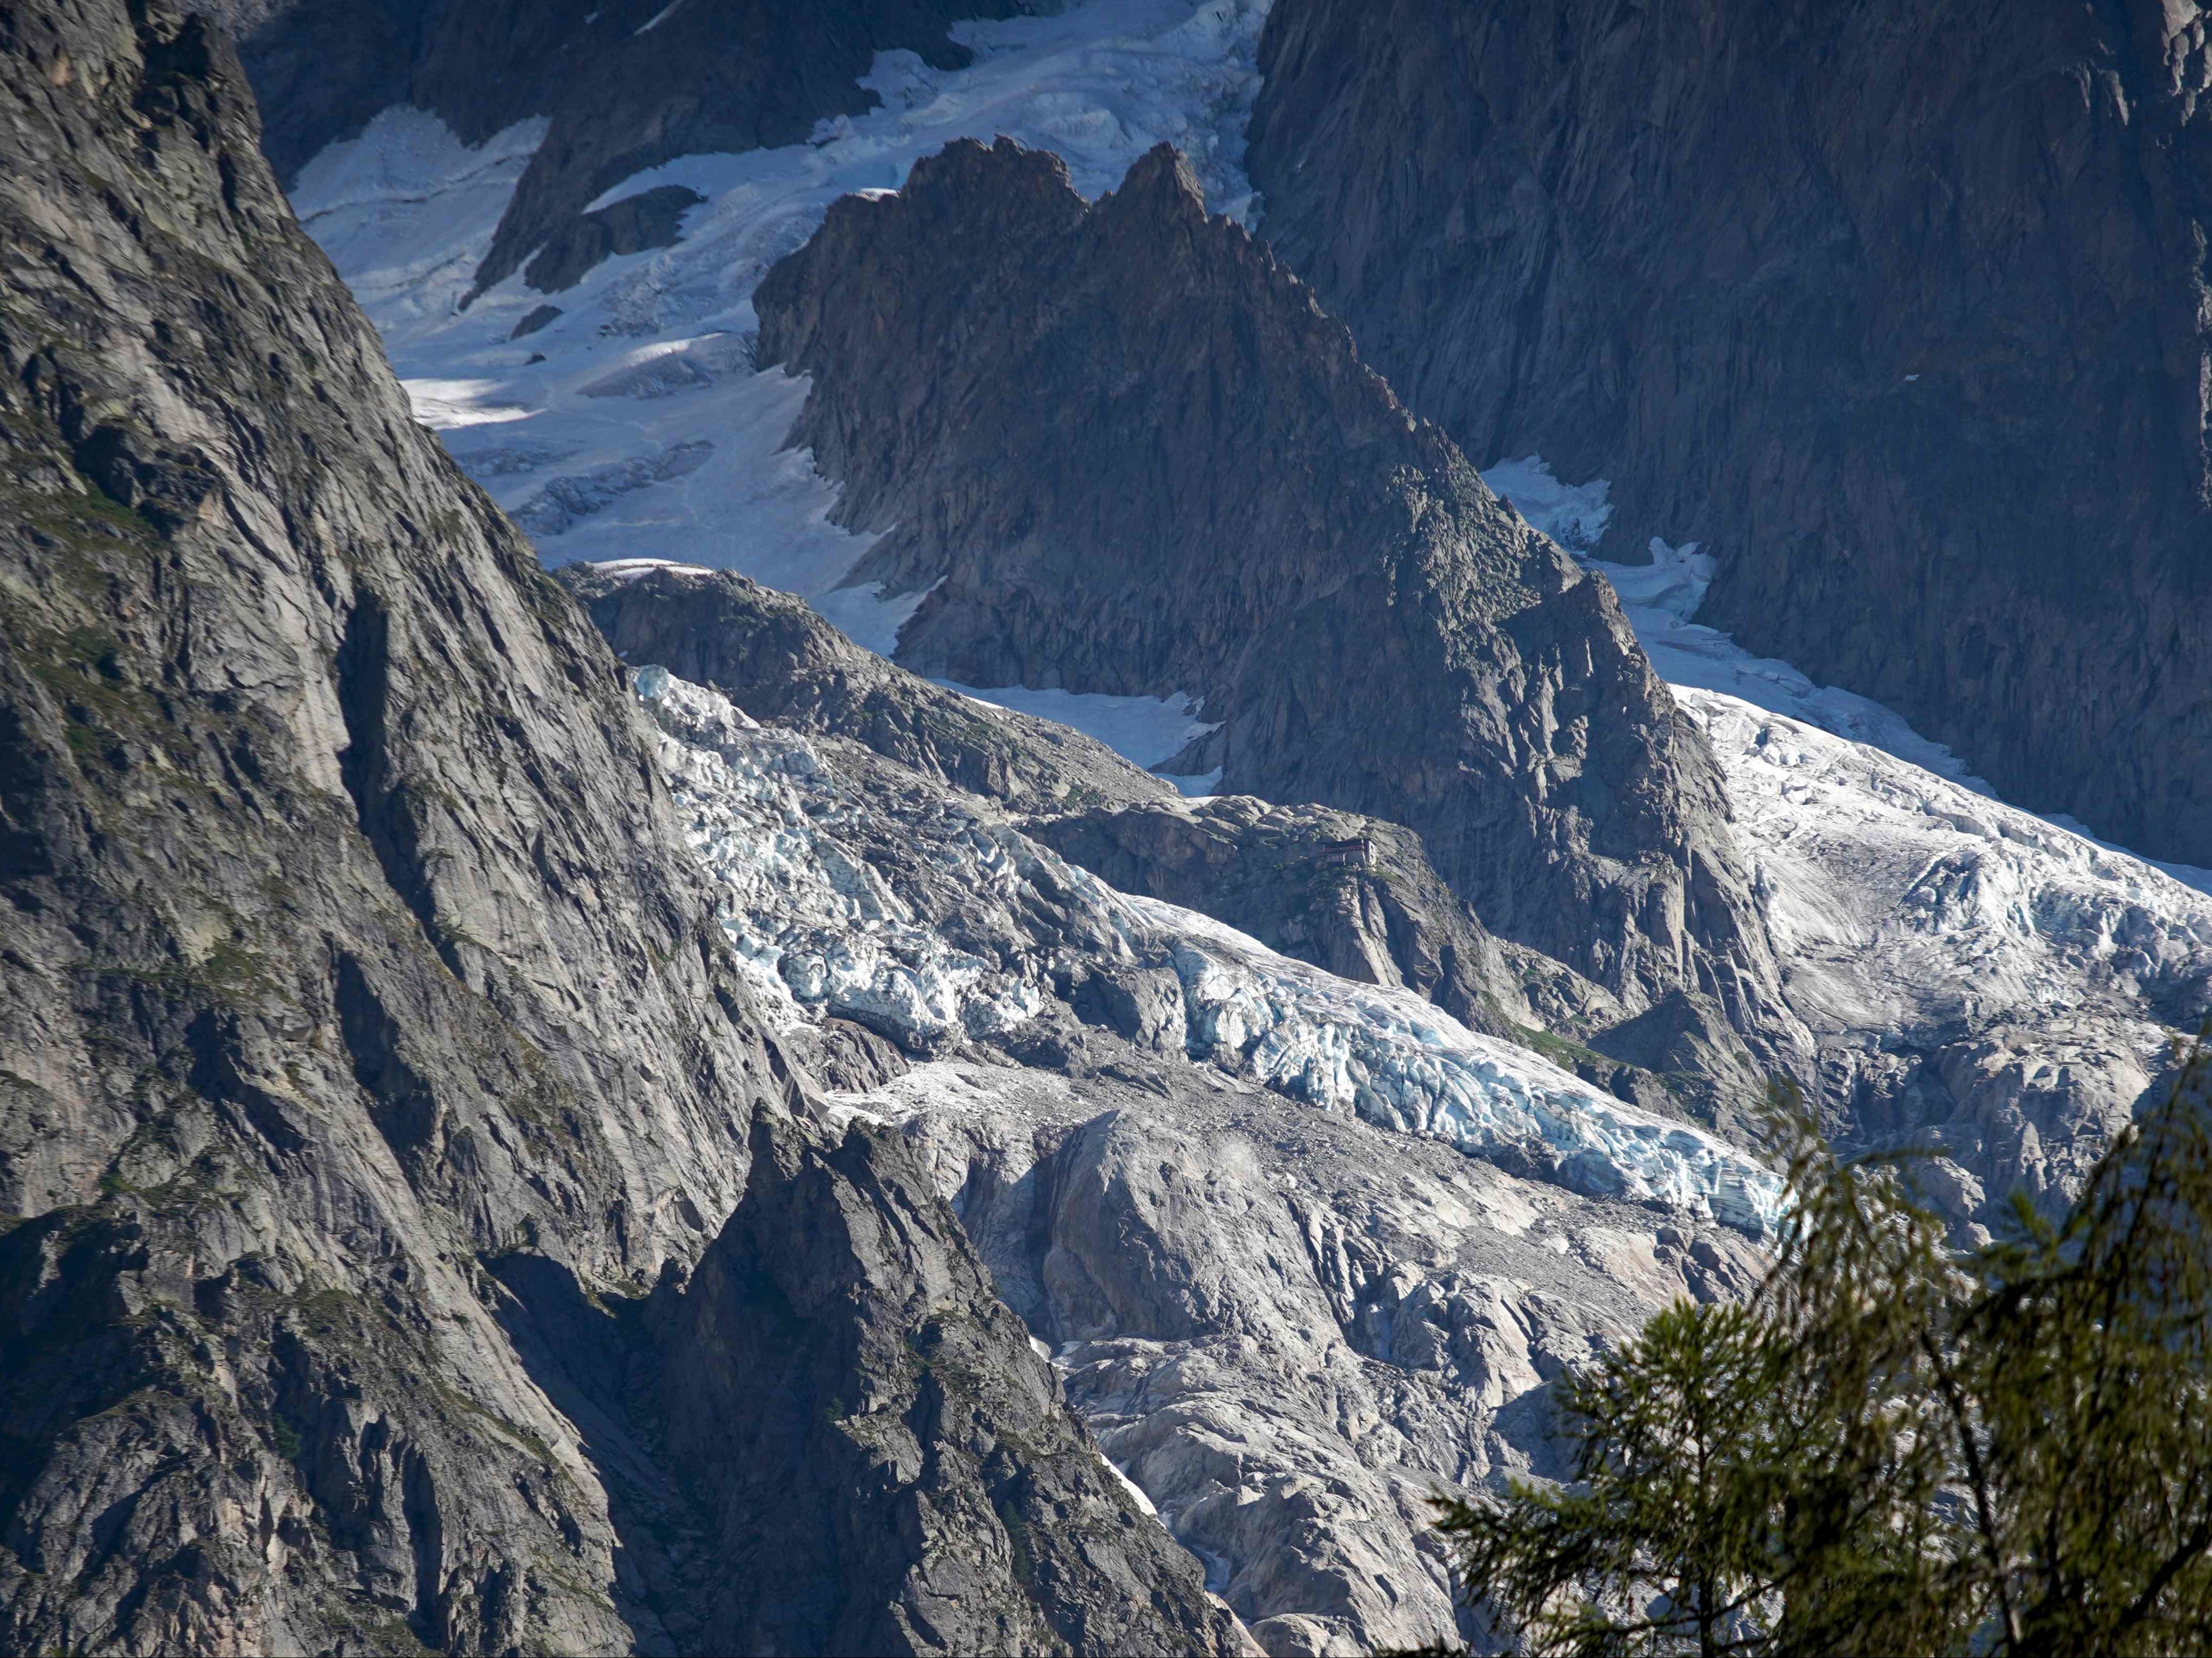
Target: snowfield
<point x="632" y="425"/>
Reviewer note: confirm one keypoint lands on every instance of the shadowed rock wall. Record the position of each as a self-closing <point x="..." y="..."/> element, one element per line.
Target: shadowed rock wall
<point x="1897" y="308"/>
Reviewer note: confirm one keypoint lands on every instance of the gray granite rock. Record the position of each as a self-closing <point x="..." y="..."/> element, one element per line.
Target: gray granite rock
<point x="893" y="1466"/>
<point x="1894" y="308"/>
<point x="355" y="974"/>
<point x="1125" y="451"/>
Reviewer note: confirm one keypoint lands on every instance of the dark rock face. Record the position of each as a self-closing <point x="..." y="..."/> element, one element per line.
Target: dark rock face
<point x="354" y="966"/>
<point x="1136" y="457"/>
<point x="626" y="85"/>
<point x="1352" y="895"/>
<point x="1897" y="309"/>
<point x="772" y="656"/>
<point x="652" y="218"/>
<point x="894" y="1467"/>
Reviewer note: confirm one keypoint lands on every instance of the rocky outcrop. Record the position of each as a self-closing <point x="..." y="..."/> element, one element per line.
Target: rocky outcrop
<point x="1897" y="310"/>
<point x="775" y="658"/>
<point x="624" y="85"/>
<point x="1125" y="452"/>
<point x="1358" y="896"/>
<point x="1353" y="895"/>
<point x="355" y="972"/>
<point x="891" y="1464"/>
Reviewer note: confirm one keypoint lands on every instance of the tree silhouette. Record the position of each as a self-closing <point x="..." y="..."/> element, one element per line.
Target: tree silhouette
<point x="1895" y="1448"/>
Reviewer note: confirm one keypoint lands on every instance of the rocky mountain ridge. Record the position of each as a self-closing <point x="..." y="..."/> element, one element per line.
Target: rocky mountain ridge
<point x="779" y="662"/>
<point x="1897" y="311"/>
<point x="1147" y="462"/>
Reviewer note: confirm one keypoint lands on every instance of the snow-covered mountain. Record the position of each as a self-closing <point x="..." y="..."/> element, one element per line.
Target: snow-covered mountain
<point x="504" y="1151"/>
<point x="632" y="424"/>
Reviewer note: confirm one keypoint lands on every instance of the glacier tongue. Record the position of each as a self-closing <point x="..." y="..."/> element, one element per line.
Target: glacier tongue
<point x="1904" y="898"/>
<point x="914" y="913"/>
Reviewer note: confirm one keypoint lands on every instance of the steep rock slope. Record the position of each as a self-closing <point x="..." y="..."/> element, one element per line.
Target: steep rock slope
<point x="1291" y="1328"/>
<point x="779" y="662"/>
<point x="623" y="85"/>
<point x="354" y="971"/>
<point x="1897" y="309"/>
<point x="1124" y="451"/>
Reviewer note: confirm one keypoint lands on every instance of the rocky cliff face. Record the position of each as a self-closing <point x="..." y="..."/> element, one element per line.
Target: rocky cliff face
<point x="355" y="975"/>
<point x="1126" y="451"/>
<point x="1896" y="309"/>
<point x="1353" y="895"/>
<point x="624" y="85"/>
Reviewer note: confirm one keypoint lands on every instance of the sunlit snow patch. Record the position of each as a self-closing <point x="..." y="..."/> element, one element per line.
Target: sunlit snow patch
<point x="446" y="406"/>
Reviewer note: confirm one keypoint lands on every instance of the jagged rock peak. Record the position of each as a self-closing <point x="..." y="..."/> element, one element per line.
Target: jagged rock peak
<point x="1125" y="451"/>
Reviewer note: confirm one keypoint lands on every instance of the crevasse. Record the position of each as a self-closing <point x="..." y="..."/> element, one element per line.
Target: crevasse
<point x="822" y="932"/>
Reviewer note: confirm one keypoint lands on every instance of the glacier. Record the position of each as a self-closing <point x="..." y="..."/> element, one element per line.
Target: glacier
<point x="828" y="922"/>
<point x="633" y="427"/>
